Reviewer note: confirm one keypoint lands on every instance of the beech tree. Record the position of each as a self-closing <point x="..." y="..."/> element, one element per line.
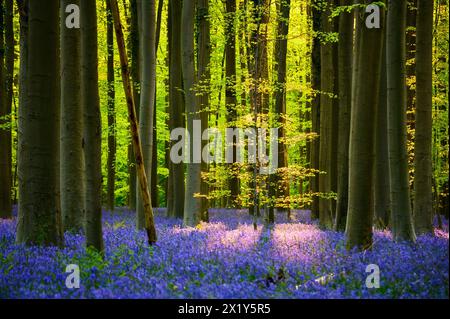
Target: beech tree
<point x="345" y="59"/>
<point x="112" y="144"/>
<point x="423" y="198"/>
<point x="362" y="135"/>
<point x="177" y="119"/>
<point x="402" y="227"/>
<point x="204" y="78"/>
<point x="382" y="186"/>
<point x="92" y="123"/>
<point x="39" y="218"/>
<point x="326" y="119"/>
<point x="133" y="40"/>
<point x="5" y="122"/>
<point x="148" y="69"/>
<point x="315" y="103"/>
<point x="72" y="162"/>
<point x="283" y="9"/>
<point x="230" y="93"/>
<point x="192" y="206"/>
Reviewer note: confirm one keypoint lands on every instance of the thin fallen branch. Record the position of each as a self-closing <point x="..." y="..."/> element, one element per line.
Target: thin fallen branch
<point x="143" y="182"/>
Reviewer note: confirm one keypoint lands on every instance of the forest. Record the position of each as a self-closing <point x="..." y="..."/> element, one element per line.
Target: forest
<point x="216" y="149"/>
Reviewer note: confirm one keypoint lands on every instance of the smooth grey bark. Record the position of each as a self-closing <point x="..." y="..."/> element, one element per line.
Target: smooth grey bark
<point x="39" y="218"/>
<point x="192" y="203"/>
<point x="326" y="121"/>
<point x="72" y="162"/>
<point x="177" y="109"/>
<point x="362" y="136"/>
<point x="92" y="123"/>
<point x="148" y="82"/>
<point x="382" y="183"/>
<point x="345" y="59"/>
<point x="204" y="78"/>
<point x="402" y="226"/>
<point x="111" y="161"/>
<point x="423" y="173"/>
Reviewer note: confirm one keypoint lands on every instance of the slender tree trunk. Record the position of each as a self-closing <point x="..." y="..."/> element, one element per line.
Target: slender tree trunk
<point x="335" y="118"/>
<point x="345" y="57"/>
<point x="382" y="185"/>
<point x="204" y="77"/>
<point x="72" y="162"/>
<point x="402" y="227"/>
<point x="315" y="106"/>
<point x="281" y="185"/>
<point x="362" y="136"/>
<point x="148" y="81"/>
<point x="39" y="220"/>
<point x="154" y="185"/>
<point x="423" y="198"/>
<point x="326" y="123"/>
<point x="192" y="206"/>
<point x="230" y="95"/>
<point x="259" y="98"/>
<point x="92" y="124"/>
<point x="111" y="162"/>
<point x="135" y="67"/>
<point x="5" y="127"/>
<point x="177" y="118"/>
<point x="9" y="52"/>
<point x="410" y="67"/>
<point x="22" y="6"/>
<point x="169" y="104"/>
<point x="6" y="181"/>
<point x="141" y="173"/>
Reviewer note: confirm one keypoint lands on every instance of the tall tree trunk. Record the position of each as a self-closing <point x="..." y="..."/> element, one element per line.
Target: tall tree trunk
<point x="177" y="118"/>
<point x="362" y="136"/>
<point x="72" y="162"/>
<point x="92" y="124"/>
<point x="259" y="98"/>
<point x="135" y="67"/>
<point x="154" y="185"/>
<point x="411" y="13"/>
<point x="423" y="198"/>
<point x="345" y="57"/>
<point x="169" y="186"/>
<point x="5" y="127"/>
<point x="230" y="95"/>
<point x="22" y="6"/>
<point x="148" y="82"/>
<point x="402" y="227"/>
<point x="335" y="118"/>
<point x="111" y="162"/>
<point x="315" y="106"/>
<point x="282" y="186"/>
<point x="326" y="122"/>
<point x="192" y="206"/>
<point x="39" y="220"/>
<point x="382" y="184"/>
<point x="204" y="78"/>
<point x="141" y="174"/>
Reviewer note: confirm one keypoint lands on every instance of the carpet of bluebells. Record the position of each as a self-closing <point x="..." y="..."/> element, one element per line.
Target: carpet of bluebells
<point x="226" y="258"/>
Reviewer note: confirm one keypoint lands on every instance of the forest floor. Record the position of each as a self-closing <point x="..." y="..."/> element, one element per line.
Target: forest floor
<point x="226" y="258"/>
